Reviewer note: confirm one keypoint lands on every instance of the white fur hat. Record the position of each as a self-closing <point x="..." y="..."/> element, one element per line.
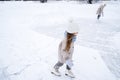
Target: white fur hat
<point x="72" y="26"/>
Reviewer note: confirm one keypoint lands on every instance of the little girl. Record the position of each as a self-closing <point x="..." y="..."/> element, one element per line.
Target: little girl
<point x="65" y="51"/>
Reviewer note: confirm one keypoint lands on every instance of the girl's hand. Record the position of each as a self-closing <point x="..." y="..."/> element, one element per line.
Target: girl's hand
<point x="69" y="62"/>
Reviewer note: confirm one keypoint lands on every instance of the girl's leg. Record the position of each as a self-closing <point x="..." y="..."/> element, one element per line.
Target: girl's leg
<point x="58" y="65"/>
<point x="56" y="68"/>
<point x="67" y="67"/>
<point x="98" y="16"/>
<point x="68" y="72"/>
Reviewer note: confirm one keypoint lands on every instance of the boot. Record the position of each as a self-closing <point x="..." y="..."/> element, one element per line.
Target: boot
<point x="69" y="73"/>
<point x="56" y="72"/>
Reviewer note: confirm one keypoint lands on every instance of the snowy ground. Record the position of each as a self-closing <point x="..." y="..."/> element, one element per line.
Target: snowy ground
<point x="31" y="31"/>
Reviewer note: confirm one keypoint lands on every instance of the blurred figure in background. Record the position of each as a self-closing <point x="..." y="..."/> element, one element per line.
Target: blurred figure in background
<point x="100" y="11"/>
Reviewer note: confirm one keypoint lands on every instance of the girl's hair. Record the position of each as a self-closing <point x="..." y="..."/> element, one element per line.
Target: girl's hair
<point x="69" y="37"/>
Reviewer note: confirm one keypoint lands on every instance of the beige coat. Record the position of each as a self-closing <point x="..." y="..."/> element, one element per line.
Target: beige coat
<point x="100" y="9"/>
<point x="63" y="55"/>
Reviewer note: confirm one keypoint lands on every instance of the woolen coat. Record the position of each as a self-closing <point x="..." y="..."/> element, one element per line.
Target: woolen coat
<point x="65" y="55"/>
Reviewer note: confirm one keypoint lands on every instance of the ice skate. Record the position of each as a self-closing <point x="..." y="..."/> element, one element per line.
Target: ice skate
<point x="56" y="72"/>
<point x="69" y="73"/>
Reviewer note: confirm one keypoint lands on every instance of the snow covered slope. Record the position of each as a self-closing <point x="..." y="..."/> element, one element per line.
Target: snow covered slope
<point x="31" y="56"/>
<point x="30" y="33"/>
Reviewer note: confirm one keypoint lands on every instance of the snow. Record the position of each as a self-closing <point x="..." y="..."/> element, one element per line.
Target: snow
<point x="30" y="33"/>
